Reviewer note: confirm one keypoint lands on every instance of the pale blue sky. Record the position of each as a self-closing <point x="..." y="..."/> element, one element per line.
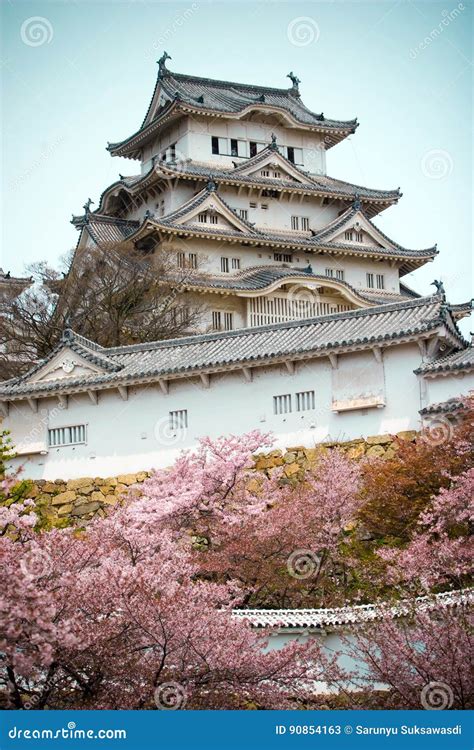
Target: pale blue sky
<point x="403" y="68"/>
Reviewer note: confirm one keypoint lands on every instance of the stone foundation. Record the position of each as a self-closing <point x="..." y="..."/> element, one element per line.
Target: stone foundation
<point x="73" y="502"/>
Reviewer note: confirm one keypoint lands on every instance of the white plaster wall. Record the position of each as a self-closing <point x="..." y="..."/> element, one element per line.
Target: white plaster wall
<point x="133" y="435"/>
<point x="441" y="388"/>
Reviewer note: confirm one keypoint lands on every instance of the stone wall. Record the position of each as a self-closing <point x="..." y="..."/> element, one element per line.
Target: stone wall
<point x="73" y="502"/>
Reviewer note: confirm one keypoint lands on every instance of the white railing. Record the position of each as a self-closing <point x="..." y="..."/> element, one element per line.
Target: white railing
<point x="278" y="309"/>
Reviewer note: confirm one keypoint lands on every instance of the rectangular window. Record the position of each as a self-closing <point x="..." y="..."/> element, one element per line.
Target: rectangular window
<point x="215" y="144"/>
<point x="282" y="404"/>
<point x="228" y="321"/>
<point x="243" y="213"/>
<point x="202" y="218"/>
<point x="305" y="223"/>
<point x="298" y="152"/>
<point x="340" y="274"/>
<point x="181" y="259"/>
<point x="278" y="256"/>
<point x="225" y="265"/>
<point x="213" y="218"/>
<point x="192" y="260"/>
<point x="265" y="173"/>
<point x="173" y="151"/>
<point x="234" y="149"/>
<point x="264" y="206"/>
<point x="349" y="235"/>
<point x="277" y="175"/>
<point x="252" y="204"/>
<point x="329" y="272"/>
<point x="359" y="236"/>
<point x="290" y="152"/>
<point x="287" y="258"/>
<point x="73" y="435"/>
<point x="370" y="280"/>
<point x="216" y="320"/>
<point x="380" y="281"/>
<point x="253" y="149"/>
<point x="178" y="419"/>
<point x="305" y="401"/>
<point x="235" y="264"/>
<point x="295" y="222"/>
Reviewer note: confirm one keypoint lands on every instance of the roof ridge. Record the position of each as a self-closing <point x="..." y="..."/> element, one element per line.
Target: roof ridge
<point x="219" y="82"/>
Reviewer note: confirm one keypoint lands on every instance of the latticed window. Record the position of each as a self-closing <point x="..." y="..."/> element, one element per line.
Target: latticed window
<point x="359" y="236"/>
<point x="305" y="223"/>
<point x="370" y="280"/>
<point x="349" y="235"/>
<point x="380" y="281"/>
<point x="225" y="265"/>
<point x="235" y="264"/>
<point x="181" y="260"/>
<point x="243" y="213"/>
<point x="192" y="260"/>
<point x="340" y="274"/>
<point x="213" y="218"/>
<point x="329" y="272"/>
<point x="202" y="218"/>
<point x="282" y="404"/>
<point x="228" y="321"/>
<point x="72" y="435"/>
<point x="178" y="419"/>
<point x="216" y="320"/>
<point x="305" y="401"/>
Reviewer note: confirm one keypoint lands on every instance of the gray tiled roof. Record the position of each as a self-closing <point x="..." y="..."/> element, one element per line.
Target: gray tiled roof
<point x="105" y="229"/>
<point x="247" y="347"/>
<point x="463" y="360"/>
<point x="451" y="406"/>
<point x="277" y="619"/>
<point x="226" y="96"/>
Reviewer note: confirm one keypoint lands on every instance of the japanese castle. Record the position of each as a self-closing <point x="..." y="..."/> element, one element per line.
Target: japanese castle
<point x="308" y="329"/>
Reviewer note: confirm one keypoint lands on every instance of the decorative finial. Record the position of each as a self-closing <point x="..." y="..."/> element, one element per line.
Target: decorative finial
<point x="211" y="186"/>
<point x="87" y="207"/>
<point x="273" y="144"/>
<point x="356" y="203"/>
<point x="121" y="176"/>
<point x="295" y="81"/>
<point x="439" y="288"/>
<point x="149" y="214"/>
<point x="308" y="269"/>
<point x="162" y="69"/>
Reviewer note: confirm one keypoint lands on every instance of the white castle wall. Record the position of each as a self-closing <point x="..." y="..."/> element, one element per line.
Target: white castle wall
<point x="134" y="435"/>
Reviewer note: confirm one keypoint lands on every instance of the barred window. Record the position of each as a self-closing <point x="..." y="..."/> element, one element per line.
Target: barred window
<point x="305" y="401"/>
<point x="202" y="218"/>
<point x="213" y="218"/>
<point x="235" y="263"/>
<point x="370" y="280"/>
<point x="216" y="320"/>
<point x="181" y="260"/>
<point x="193" y="260"/>
<point x="349" y="234"/>
<point x="304" y="223"/>
<point x="228" y="321"/>
<point x="329" y="272"/>
<point x="295" y="222"/>
<point x="282" y="404"/>
<point x="225" y="265"/>
<point x="340" y="274"/>
<point x="178" y="419"/>
<point x="73" y="435"/>
<point x="359" y="236"/>
<point x="380" y="281"/>
<point x="243" y="213"/>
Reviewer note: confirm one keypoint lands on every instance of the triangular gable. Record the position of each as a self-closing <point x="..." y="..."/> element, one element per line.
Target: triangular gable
<point x="207" y="210"/>
<point x="354" y="228"/>
<point x="66" y="364"/>
<point x="278" y="167"/>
